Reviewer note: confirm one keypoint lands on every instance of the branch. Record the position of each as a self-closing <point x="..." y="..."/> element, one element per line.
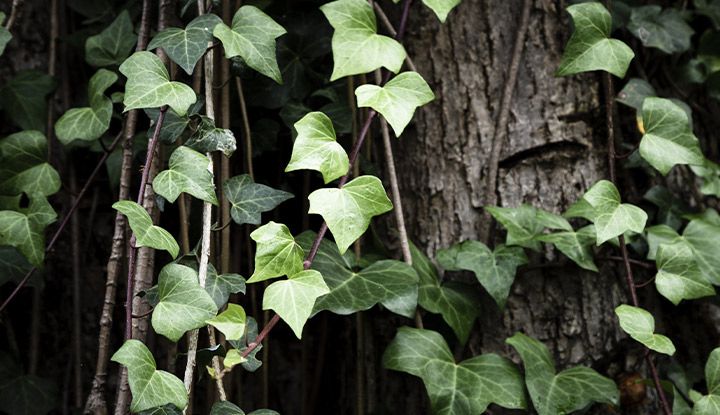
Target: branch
<point x="16" y="6"/>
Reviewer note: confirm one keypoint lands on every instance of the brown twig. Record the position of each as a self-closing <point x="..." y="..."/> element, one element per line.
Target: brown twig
<point x="16" y="5"/>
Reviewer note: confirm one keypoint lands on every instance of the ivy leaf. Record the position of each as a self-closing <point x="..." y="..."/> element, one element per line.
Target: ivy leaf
<point x="456" y="302"/>
<point x="251" y="362"/>
<point x="709" y="8"/>
<point x="146" y="234"/>
<point x="187" y="173"/>
<point x="441" y="7"/>
<point x="495" y="270"/>
<point x="252" y="37"/>
<point x="575" y="245"/>
<point x="208" y="138"/>
<point x="23" y="232"/>
<point x="293" y="299"/>
<point x="662" y="29"/>
<point x="168" y="409"/>
<point x="5" y="35"/>
<point x="525" y="223"/>
<point x="590" y="47"/>
<point x="23" y="99"/>
<point x="186" y="47"/>
<point x="397" y="99"/>
<point x="634" y="93"/>
<point x="149" y="86"/>
<point x="24" y="167"/>
<point x="612" y="218"/>
<point x="668" y="139"/>
<point x="658" y="235"/>
<point x="560" y="393"/>
<point x="356" y="46"/>
<point x="704" y="237"/>
<point x="226" y="408"/>
<point x="315" y="148"/>
<point x="150" y="387"/>
<point x="230" y="322"/>
<point x="184" y="305"/>
<point x="468" y="387"/>
<point x="89" y="123"/>
<point x="220" y="286"/>
<point x="710" y="404"/>
<point x="249" y="199"/>
<point x="22" y="394"/>
<point x="348" y="210"/>
<point x="679" y="277"/>
<point x="277" y="252"/>
<point x="640" y="325"/>
<point x="113" y="44"/>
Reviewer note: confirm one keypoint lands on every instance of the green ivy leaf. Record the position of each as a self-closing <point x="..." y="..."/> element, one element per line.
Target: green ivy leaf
<point x="149" y="86"/>
<point x="704" y="237"/>
<point x="22" y="394"/>
<point x="611" y="217"/>
<point x="668" y="139"/>
<point x="356" y="46"/>
<point x="23" y="229"/>
<point x="249" y="199"/>
<point x="146" y="234"/>
<point x="495" y="270"/>
<point x="441" y="8"/>
<point x="658" y="235"/>
<point x="183" y="304"/>
<point x="710" y="404"/>
<point x="679" y="277"/>
<point x="590" y="47"/>
<point x="461" y="388"/>
<point x="709" y="8"/>
<point x="220" y="286"/>
<point x="226" y="408"/>
<point x="113" y="45"/>
<point x="150" y="388"/>
<point x="634" y="93"/>
<point x="525" y="223"/>
<point x="662" y="29"/>
<point x="456" y="302"/>
<point x="348" y="210"/>
<point x="293" y="299"/>
<point x="315" y="148"/>
<point x="186" y="46"/>
<point x="23" y="99"/>
<point x="168" y="409"/>
<point x="575" y="245"/>
<point x="252" y="37"/>
<point x="560" y="393"/>
<point x="277" y="252"/>
<point x="5" y="35"/>
<point x="640" y="325"/>
<point x="89" y="123"/>
<point x="24" y="167"/>
<point x="187" y="173"/>
<point x="230" y="322"/>
<point x="208" y="138"/>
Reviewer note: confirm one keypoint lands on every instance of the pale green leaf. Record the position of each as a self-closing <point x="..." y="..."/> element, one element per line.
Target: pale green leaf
<point x="679" y="277"/>
<point x="146" y="234"/>
<point x="710" y="404"/>
<point x="186" y="46"/>
<point x="188" y="172"/>
<point x="465" y="388"/>
<point x="611" y="217"/>
<point x="441" y="7"/>
<point x="252" y="37"/>
<point x="5" y="35"/>
<point x="348" y="210"/>
<point x="356" y="46"/>
<point x="315" y="148"/>
<point x="113" y="44"/>
<point x="18" y="231"/>
<point x="525" y="223"/>
<point x="704" y="237"/>
<point x="150" y="388"/>
<point x="293" y="299"/>
<point x="183" y="304"/>
<point x="397" y="99"/>
<point x="23" y="98"/>
<point x="576" y="245"/>
<point x="640" y="325"/>
<point x="149" y="86"/>
<point x="277" y="253"/>
<point x="590" y="47"/>
<point x="658" y="235"/>
<point x="89" y="123"/>
<point x="233" y="358"/>
<point x="249" y="199"/>
<point x="230" y="322"/>
<point x="662" y="29"/>
<point x="560" y="393"/>
<point x="24" y="167"/>
<point x="220" y="286"/>
<point x="168" y="409"/>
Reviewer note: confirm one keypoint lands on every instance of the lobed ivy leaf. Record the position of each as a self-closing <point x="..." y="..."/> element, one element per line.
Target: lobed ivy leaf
<point x="183" y="304"/>
<point x="611" y="217"/>
<point x="249" y="199"/>
<point x="525" y="223"/>
<point x="114" y="44"/>
<point x="23" y="229"/>
<point x="188" y="172"/>
<point x="710" y="404"/>
<point x="146" y="234"/>
<point x="356" y="46"/>
<point x="315" y="148"/>
<point x="640" y="325"/>
<point x="704" y="236"/>
<point x="252" y="37"/>
<point x="5" y="35"/>
<point x="590" y="47"/>
<point x="277" y="253"/>
<point x="13" y="265"/>
<point x="464" y="388"/>
<point x="23" y="99"/>
<point x="150" y="387"/>
<point x="668" y="139"/>
<point x="24" y="167"/>
<point x="456" y="302"/>
<point x="186" y="46"/>
<point x="89" y="123"/>
<point x="230" y="322"/>
<point x="441" y="8"/>
<point x="24" y="394"/>
<point x="576" y="245"/>
<point x="348" y="210"/>
<point x="220" y="286"/>
<point x="560" y="393"/>
<point x="679" y="276"/>
<point x="634" y="93"/>
<point x="250" y="363"/>
<point x="208" y="138"/>
<point x="495" y="270"/>
<point x="168" y="409"/>
<point x="226" y="408"/>
<point x="662" y="29"/>
<point x="658" y="235"/>
<point x="149" y="86"/>
<point x="397" y="99"/>
<point x="293" y="299"/>
<point x="709" y="8"/>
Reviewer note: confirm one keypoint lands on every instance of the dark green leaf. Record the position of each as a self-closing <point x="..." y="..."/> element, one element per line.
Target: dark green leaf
<point x="186" y="47"/>
<point x="23" y="99"/>
<point x="248" y="199"/>
<point x="113" y="44"/>
<point x="662" y="29"/>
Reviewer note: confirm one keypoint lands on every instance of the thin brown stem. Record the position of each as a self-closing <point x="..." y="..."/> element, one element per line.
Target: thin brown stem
<point x="14" y="11"/>
<point x="246" y="129"/>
